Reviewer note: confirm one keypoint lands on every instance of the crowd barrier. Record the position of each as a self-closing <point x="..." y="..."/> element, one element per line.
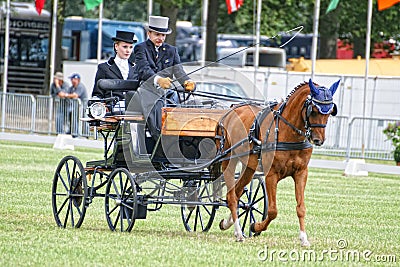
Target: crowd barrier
<point x="43" y="114"/>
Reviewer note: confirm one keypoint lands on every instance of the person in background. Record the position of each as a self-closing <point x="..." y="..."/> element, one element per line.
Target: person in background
<point x="117" y="67"/>
<point x="75" y="91"/>
<point x="158" y="63"/>
<point x="58" y="91"/>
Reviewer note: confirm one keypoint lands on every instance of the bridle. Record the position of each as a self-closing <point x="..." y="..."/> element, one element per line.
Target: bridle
<point x="308" y="106"/>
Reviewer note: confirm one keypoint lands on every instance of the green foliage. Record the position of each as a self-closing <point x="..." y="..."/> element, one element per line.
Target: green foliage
<point x="392" y="132"/>
<point x="396" y="154"/>
<point x="352" y="16"/>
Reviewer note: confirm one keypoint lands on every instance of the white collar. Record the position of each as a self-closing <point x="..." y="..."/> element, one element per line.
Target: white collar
<point x="123" y="66"/>
<point x="119" y="60"/>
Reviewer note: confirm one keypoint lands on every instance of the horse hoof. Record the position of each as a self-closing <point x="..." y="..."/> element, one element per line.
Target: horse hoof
<point x="253" y="230"/>
<point x="240" y="238"/>
<point x="221" y="225"/>
<point x="303" y="239"/>
<point x="252" y="226"/>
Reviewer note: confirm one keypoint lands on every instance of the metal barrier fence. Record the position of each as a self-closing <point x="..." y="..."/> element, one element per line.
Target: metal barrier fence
<point x="44" y="115"/>
<point x="355" y="137"/>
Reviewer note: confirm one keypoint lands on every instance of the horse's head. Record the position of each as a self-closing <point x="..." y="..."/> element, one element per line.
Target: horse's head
<point x="318" y="107"/>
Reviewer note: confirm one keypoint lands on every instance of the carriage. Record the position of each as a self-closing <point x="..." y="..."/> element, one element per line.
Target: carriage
<point x="138" y="174"/>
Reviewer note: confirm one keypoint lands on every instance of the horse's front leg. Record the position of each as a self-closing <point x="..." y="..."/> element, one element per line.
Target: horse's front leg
<point x="300" y="180"/>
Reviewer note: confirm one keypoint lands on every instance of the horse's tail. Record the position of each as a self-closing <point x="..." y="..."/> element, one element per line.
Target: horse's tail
<point x="215" y="170"/>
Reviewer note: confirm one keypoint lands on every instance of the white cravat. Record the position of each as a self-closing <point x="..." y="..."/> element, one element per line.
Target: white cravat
<point x="123" y="66"/>
<point x="156" y="47"/>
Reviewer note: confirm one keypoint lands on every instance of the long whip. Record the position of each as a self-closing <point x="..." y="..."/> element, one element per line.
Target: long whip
<point x="297" y="30"/>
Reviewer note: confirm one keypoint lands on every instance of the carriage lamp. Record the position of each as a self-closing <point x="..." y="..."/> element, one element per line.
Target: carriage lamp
<point x="96" y="110"/>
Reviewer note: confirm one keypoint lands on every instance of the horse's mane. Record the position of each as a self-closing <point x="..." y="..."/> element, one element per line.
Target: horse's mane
<point x="294" y="90"/>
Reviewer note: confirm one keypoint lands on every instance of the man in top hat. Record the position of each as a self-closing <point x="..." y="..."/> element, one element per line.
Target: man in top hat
<point x="119" y="66"/>
<point x="156" y="58"/>
<point x="157" y="64"/>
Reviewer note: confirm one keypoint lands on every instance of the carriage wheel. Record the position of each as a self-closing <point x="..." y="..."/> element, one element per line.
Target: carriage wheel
<point x="201" y="216"/>
<point x="69" y="193"/>
<point x="253" y="204"/>
<point x="121" y="201"/>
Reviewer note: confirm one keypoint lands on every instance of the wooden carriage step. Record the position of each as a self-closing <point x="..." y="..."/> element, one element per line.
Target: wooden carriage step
<point x="190" y="121"/>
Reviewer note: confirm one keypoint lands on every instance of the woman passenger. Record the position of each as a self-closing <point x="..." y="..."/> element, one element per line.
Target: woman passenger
<point x="117" y="67"/>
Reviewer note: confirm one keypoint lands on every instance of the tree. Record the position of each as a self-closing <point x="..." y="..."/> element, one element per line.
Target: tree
<point x="170" y="8"/>
<point x="212" y="31"/>
<point x="351" y="17"/>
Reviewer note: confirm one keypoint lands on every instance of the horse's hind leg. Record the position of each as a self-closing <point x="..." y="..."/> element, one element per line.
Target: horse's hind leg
<point x="228" y="168"/>
<point x="231" y="199"/>
<point x="271" y="182"/>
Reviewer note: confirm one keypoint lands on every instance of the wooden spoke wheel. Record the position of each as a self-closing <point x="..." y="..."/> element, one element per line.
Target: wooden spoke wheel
<point x="69" y="193"/>
<point x="121" y="201"/>
<point x="253" y="205"/>
<point x="198" y="217"/>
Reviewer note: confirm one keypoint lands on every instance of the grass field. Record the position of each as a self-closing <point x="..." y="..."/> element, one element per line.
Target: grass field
<point x="350" y="221"/>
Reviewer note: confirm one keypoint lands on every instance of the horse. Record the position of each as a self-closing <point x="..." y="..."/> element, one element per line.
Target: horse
<point x="281" y="135"/>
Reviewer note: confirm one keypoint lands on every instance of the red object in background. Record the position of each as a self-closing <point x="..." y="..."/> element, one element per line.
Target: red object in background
<point x="382" y="50"/>
<point x="233" y="5"/>
<point x="344" y="50"/>
<point x="39" y="5"/>
<point x="384" y="4"/>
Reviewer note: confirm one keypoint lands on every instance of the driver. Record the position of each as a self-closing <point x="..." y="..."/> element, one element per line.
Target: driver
<point x="156" y="64"/>
<point x="156" y="58"/>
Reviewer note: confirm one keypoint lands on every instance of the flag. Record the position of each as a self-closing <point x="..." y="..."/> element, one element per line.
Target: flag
<point x="332" y="6"/>
<point x="384" y="4"/>
<point x="233" y="5"/>
<point x="90" y="4"/>
<point x="39" y="5"/>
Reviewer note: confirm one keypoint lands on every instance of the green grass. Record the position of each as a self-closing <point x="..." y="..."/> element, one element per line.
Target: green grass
<point x="363" y="211"/>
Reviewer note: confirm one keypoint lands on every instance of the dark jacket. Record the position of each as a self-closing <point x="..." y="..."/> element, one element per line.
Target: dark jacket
<point x="166" y="65"/>
<point x="151" y="98"/>
<point x="110" y="70"/>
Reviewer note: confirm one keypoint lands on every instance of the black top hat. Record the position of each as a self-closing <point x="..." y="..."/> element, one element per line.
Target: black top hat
<point x="127" y="37"/>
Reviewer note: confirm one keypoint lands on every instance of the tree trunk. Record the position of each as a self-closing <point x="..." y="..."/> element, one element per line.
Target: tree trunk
<point x="171" y="12"/>
<point x="359" y="47"/>
<point x="212" y="30"/>
<point x="328" y="35"/>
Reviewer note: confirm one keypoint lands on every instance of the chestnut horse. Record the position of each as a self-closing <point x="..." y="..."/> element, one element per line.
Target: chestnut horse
<point x="282" y="135"/>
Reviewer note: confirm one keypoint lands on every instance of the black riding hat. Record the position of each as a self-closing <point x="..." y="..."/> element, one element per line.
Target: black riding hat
<point x="127" y="37"/>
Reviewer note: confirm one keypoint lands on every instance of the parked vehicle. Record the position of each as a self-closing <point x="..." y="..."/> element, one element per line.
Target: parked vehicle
<point x="28" y="47"/>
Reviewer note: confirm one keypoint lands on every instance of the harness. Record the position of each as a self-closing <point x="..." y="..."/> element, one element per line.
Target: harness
<point x="254" y="133"/>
